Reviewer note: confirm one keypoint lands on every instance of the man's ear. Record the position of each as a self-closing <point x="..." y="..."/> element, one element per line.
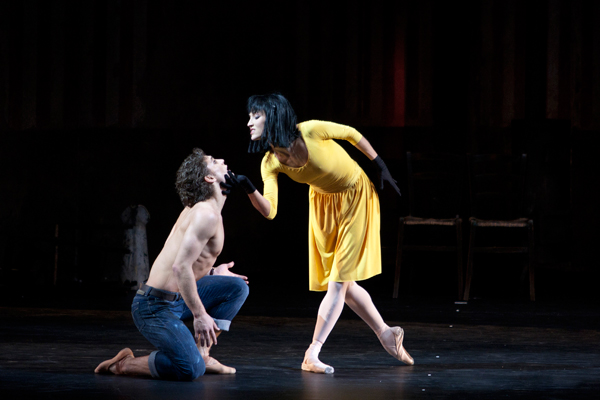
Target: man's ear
<point x="210" y="178"/>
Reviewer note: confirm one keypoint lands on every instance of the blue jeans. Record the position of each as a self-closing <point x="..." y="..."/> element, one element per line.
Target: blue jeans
<point x="161" y="322"/>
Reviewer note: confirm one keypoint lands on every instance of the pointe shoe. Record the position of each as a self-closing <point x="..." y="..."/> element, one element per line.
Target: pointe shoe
<point x="395" y="349"/>
<point x="215" y="367"/>
<point x="316" y="367"/>
<point x="117" y="361"/>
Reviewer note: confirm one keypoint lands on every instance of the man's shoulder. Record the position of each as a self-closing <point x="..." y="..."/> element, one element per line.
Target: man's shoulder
<point x="204" y="215"/>
<point x="204" y="209"/>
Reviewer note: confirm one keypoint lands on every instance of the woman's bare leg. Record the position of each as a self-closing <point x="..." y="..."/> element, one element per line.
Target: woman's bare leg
<point x="329" y="312"/>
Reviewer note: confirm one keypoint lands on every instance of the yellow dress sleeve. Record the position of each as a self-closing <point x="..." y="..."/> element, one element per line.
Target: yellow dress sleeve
<point x="271" y="188"/>
<point x="331" y="130"/>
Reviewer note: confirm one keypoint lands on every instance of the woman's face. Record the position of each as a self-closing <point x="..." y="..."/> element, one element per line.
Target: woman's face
<point x="256" y="123"/>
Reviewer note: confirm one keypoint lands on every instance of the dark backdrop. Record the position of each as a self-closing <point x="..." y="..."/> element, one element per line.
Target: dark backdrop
<point x="101" y="100"/>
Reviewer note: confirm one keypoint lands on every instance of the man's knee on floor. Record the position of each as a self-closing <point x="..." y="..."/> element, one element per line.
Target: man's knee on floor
<point x="190" y="370"/>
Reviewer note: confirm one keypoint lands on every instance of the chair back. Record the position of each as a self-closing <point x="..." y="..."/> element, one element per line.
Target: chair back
<point x="435" y="184"/>
<point x="497" y="186"/>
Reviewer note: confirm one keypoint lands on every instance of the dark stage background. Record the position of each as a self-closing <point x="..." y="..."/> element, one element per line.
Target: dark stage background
<point x="101" y="100"/>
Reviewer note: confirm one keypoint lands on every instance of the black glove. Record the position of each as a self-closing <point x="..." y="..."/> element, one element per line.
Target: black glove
<point x="384" y="174"/>
<point x="240" y="181"/>
<point x="226" y="186"/>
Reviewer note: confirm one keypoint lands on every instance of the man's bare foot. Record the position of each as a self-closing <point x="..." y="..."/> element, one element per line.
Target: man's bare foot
<point x="215" y="367"/>
<point x="212" y="365"/>
<point x="114" y="365"/>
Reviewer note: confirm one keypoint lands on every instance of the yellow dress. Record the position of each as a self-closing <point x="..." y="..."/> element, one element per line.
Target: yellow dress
<point x="343" y="232"/>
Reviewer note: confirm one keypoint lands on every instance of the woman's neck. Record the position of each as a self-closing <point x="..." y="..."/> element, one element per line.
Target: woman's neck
<point x="294" y="156"/>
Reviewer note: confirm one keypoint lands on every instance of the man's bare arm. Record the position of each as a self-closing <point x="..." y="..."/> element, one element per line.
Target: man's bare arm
<point x="202" y="227"/>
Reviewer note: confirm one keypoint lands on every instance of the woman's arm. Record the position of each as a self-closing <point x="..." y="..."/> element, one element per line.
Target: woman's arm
<point x="331" y="130"/>
<point x="384" y="174"/>
<point x="267" y="206"/>
<point x="365" y="147"/>
<point x="260" y="203"/>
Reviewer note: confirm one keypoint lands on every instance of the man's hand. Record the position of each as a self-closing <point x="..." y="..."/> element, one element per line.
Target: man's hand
<point x="204" y="330"/>
<point x="223" y="269"/>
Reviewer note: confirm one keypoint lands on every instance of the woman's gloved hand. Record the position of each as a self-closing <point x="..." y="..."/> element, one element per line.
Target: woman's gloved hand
<point x="226" y="186"/>
<point x="239" y="181"/>
<point x="384" y="174"/>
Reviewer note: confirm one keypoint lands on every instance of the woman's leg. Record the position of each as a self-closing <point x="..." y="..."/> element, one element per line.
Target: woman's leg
<point x="359" y="300"/>
<point x="329" y="312"/>
<point x="330" y="309"/>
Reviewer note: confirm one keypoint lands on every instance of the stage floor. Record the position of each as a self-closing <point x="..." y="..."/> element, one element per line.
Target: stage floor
<point x="481" y="350"/>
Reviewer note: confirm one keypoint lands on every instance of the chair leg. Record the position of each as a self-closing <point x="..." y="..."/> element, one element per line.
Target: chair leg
<point x="470" y="261"/>
<point x="398" y="257"/>
<point x="531" y="263"/>
<point x="459" y="258"/>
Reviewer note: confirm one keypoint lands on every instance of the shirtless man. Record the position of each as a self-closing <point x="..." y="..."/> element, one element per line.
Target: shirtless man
<point x="183" y="284"/>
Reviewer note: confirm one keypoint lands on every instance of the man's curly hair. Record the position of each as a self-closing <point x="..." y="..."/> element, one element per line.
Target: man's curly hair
<point x="190" y="183"/>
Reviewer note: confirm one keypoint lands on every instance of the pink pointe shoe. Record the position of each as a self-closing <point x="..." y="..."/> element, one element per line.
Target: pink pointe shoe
<point x="317" y="367"/>
<point x="312" y="363"/>
<point x="392" y="339"/>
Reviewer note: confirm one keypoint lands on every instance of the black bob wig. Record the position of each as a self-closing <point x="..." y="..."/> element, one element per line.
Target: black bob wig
<point x="280" y="122"/>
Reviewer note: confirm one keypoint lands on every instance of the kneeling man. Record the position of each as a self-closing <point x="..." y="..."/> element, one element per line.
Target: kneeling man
<point x="183" y="284"/>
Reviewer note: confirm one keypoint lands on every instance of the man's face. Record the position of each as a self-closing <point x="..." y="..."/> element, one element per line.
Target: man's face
<point x="256" y="123"/>
<point x="216" y="167"/>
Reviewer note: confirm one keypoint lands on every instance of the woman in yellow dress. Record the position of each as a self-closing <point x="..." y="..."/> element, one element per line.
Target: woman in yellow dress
<point x="344" y="245"/>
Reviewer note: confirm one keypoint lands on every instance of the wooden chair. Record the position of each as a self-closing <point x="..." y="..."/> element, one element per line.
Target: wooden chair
<point x="497" y="196"/>
<point x="434" y="197"/>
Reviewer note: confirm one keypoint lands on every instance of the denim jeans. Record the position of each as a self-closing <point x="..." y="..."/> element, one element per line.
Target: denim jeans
<point x="161" y="322"/>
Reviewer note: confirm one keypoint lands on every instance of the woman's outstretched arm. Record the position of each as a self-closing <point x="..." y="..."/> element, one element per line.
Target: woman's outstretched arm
<point x="262" y="204"/>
